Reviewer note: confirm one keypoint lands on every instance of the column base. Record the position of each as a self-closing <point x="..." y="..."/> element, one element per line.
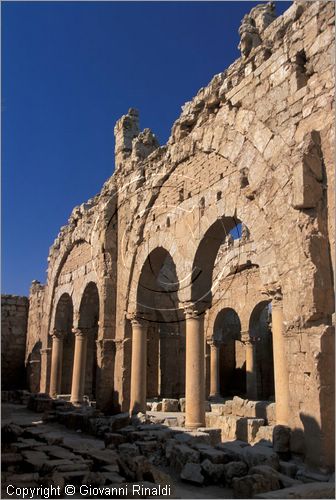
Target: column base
<point x="194" y="425"/>
<point x="76" y="403"/>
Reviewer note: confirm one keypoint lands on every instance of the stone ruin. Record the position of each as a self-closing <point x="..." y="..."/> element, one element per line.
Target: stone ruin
<point x="187" y="316"/>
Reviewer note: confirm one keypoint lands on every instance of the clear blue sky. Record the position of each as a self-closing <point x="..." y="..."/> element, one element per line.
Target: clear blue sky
<point x="69" y="71"/>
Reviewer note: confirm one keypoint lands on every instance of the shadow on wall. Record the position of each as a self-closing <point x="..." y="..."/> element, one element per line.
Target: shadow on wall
<point x="318" y="450"/>
<point x="33" y="368"/>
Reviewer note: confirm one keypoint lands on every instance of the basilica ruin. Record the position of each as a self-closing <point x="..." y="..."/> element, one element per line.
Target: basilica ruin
<point x="199" y="280"/>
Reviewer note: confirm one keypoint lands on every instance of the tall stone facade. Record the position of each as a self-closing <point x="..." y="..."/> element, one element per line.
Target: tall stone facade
<point x="204" y="266"/>
<point x="14" y="317"/>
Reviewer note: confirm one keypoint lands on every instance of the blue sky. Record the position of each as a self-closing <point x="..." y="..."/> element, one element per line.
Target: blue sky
<point x="69" y="71"/>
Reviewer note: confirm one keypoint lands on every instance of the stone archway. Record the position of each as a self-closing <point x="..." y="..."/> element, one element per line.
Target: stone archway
<point x="157" y="332"/>
<point x="85" y="374"/>
<point x="202" y="284"/>
<point x="231" y="355"/>
<point x="63" y="344"/>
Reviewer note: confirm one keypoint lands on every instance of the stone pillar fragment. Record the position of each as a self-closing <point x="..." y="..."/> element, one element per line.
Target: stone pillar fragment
<point x="56" y="363"/>
<point x="195" y="384"/>
<point x="78" y="376"/>
<point x="138" y="366"/>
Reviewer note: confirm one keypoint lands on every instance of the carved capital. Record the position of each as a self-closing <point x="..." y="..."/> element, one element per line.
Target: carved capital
<point x="214" y="343"/>
<point x="274" y="294"/>
<point x="137" y="318"/>
<point x="80" y="332"/>
<point x="194" y="310"/>
<point x="58" y="334"/>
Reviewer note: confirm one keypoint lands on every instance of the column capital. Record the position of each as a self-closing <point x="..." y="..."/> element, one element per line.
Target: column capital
<point x="247" y="339"/>
<point x="138" y="318"/>
<point x="58" y="334"/>
<point x="194" y="310"/>
<point x="80" y="332"/>
<point x="214" y="343"/>
<point x="274" y="294"/>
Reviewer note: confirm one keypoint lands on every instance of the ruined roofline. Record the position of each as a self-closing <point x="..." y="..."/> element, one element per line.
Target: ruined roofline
<point x="261" y="32"/>
<point x="135" y="149"/>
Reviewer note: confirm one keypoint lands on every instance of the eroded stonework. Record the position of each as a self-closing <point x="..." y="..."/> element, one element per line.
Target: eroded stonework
<point x="204" y="266"/>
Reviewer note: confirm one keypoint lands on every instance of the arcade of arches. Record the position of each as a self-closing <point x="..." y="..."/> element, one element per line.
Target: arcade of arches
<point x="203" y="269"/>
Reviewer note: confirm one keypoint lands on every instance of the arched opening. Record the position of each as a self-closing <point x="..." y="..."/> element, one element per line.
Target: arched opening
<point x="261" y="335"/>
<point x="227" y="333"/>
<point x="64" y="324"/>
<point x="88" y="321"/>
<point x="224" y="229"/>
<point x="157" y="302"/>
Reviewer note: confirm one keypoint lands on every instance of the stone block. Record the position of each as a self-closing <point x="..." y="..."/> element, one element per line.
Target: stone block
<point x="235" y="469"/>
<point x="288" y="468"/>
<point x="170" y="405"/>
<point x="249" y="486"/>
<point x="304" y="491"/>
<point x="213" y="473"/>
<point x="113" y="439"/>
<point x="214" y="434"/>
<point x="182" y="404"/>
<point x="281" y="438"/>
<point x="192" y="473"/>
<point x="261" y="455"/>
<point x="182" y="454"/>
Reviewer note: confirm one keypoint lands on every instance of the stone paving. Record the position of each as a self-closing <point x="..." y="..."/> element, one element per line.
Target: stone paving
<point x="37" y="450"/>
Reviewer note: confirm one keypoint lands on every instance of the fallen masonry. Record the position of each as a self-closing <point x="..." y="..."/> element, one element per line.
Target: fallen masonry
<point x="138" y="453"/>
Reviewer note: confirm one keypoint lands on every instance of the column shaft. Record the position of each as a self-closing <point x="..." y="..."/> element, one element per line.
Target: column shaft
<point x="79" y="366"/>
<point x="280" y="366"/>
<point x="251" y="379"/>
<point x="138" y="367"/>
<point x="214" y="370"/>
<point x="195" y="387"/>
<point x="56" y="364"/>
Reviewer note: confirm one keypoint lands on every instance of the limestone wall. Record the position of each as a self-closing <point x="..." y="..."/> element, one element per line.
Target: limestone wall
<point x="35" y="358"/>
<point x="256" y="146"/>
<point x="14" y="316"/>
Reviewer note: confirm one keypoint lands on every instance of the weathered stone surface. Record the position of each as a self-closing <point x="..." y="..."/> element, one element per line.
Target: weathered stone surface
<point x="261" y="455"/>
<point x="14" y="319"/>
<point x="281" y="438"/>
<point x="235" y="469"/>
<point x="270" y="473"/>
<point x="255" y="146"/>
<point x="213" y="473"/>
<point x="192" y="473"/>
<point x="182" y="454"/>
<point x="170" y="405"/>
<point x="311" y="490"/>
<point x="114" y="439"/>
<point x="249" y="486"/>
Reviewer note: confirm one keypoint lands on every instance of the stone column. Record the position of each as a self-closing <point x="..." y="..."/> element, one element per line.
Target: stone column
<point x="45" y="369"/>
<point x="214" y="369"/>
<point x="281" y="381"/>
<point x="251" y="378"/>
<point x="56" y="363"/>
<point x="79" y="366"/>
<point x="195" y="387"/>
<point x="138" y="366"/>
